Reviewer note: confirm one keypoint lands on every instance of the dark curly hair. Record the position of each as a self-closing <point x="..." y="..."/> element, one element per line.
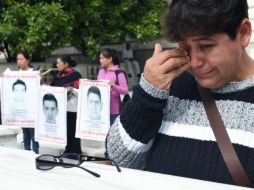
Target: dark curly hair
<point x="203" y="17"/>
<point x="66" y="59"/>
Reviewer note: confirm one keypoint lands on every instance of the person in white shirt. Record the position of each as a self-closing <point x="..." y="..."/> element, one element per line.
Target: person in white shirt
<point x="132" y="66"/>
<point x="24" y="64"/>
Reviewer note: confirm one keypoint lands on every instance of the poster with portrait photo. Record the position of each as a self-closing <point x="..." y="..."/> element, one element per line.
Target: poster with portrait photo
<point x="1" y="81"/>
<point x="93" y="115"/>
<point x="52" y="115"/>
<point x="19" y="98"/>
<point x="1" y="84"/>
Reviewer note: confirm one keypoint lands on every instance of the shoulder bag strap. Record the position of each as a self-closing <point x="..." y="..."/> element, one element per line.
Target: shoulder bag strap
<point x="227" y="150"/>
<point x="120" y="71"/>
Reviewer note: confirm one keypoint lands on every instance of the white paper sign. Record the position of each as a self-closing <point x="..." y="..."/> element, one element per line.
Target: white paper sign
<point x="19" y="98"/>
<point x="52" y="115"/>
<point x="93" y="116"/>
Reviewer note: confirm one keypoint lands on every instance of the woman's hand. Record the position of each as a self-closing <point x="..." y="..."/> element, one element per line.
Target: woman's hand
<point x="164" y="66"/>
<point x="69" y="90"/>
<point x="111" y="83"/>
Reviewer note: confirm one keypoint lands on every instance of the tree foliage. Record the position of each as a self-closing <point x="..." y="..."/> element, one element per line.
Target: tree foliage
<point x="40" y="26"/>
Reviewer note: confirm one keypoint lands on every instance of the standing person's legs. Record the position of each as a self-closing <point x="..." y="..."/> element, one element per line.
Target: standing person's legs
<point x="26" y="139"/>
<point x="136" y="67"/>
<point x="136" y="71"/>
<point x="128" y="67"/>
<point x="35" y="144"/>
<point x="73" y="144"/>
<point x="130" y="73"/>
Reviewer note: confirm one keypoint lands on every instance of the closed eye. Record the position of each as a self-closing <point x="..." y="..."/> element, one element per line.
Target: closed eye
<point x="205" y="46"/>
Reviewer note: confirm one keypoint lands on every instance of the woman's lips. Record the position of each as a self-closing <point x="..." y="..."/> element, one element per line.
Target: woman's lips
<point x="203" y="75"/>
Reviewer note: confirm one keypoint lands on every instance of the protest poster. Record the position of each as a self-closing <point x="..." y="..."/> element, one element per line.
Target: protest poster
<point x="1" y="80"/>
<point x="52" y="111"/>
<point x="93" y="115"/>
<point x="19" y="98"/>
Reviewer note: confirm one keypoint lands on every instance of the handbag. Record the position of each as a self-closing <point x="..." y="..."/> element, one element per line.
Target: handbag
<point x="226" y="148"/>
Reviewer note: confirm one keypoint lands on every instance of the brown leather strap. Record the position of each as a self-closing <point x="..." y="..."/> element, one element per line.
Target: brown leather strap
<point x="227" y="150"/>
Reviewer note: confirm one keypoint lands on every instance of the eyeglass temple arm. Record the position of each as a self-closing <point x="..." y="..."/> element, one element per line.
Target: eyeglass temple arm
<point x="52" y="163"/>
<point x="116" y="165"/>
<point x="89" y="171"/>
<point x="94" y="158"/>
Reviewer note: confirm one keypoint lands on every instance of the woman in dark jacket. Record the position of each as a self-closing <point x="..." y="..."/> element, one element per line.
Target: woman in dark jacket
<point x="69" y="78"/>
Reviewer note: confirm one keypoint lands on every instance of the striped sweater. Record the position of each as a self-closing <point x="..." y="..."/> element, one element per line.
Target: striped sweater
<point x="170" y="133"/>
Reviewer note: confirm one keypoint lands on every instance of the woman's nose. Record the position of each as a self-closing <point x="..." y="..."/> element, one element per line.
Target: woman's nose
<point x="196" y="59"/>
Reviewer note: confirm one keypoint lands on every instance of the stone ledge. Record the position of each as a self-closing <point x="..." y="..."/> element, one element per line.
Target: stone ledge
<point x="5" y="131"/>
<point x="8" y="136"/>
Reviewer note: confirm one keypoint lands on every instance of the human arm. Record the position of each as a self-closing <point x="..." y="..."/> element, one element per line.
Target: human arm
<point x="72" y="98"/>
<point x="164" y="66"/>
<point x="120" y="87"/>
<point x="129" y="139"/>
<point x="73" y="83"/>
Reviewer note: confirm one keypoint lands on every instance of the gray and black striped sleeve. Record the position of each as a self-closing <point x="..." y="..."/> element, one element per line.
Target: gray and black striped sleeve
<point x="131" y="136"/>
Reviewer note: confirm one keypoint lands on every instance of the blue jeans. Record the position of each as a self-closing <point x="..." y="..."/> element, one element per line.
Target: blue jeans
<point x="28" y="136"/>
<point x="113" y="118"/>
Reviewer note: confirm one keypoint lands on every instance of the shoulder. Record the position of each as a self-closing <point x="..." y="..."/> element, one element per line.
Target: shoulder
<point x="101" y="73"/>
<point x="118" y="70"/>
<point x="74" y="72"/>
<point x="185" y="87"/>
<point x="102" y="70"/>
<point x="71" y="75"/>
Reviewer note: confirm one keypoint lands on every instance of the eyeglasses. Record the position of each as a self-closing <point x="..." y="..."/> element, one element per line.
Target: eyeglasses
<point x="47" y="162"/>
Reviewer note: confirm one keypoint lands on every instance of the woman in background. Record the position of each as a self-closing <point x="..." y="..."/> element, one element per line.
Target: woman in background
<point x="24" y="64"/>
<point x="69" y="78"/>
<point x="109" y="61"/>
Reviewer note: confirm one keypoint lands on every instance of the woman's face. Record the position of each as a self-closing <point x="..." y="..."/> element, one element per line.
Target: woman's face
<point x="61" y="66"/>
<point x="22" y="62"/>
<point x="105" y="62"/>
<point x="215" y="60"/>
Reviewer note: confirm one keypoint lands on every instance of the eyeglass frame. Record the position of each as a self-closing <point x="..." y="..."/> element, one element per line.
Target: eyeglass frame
<point x="58" y="161"/>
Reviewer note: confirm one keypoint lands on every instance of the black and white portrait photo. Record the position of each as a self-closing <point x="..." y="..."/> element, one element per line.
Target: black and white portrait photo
<point x="52" y="115"/>
<point x="93" y="109"/>
<point x="20" y="98"/>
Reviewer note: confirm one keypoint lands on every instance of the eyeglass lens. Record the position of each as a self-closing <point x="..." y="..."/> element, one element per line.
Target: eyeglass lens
<point x="45" y="166"/>
<point x="70" y="159"/>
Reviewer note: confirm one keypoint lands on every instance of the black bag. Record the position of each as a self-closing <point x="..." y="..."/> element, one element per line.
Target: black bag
<point x="126" y="97"/>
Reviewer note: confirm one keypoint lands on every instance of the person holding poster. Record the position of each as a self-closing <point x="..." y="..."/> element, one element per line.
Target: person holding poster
<point x="109" y="61"/>
<point x="24" y="64"/>
<point x="69" y="78"/>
